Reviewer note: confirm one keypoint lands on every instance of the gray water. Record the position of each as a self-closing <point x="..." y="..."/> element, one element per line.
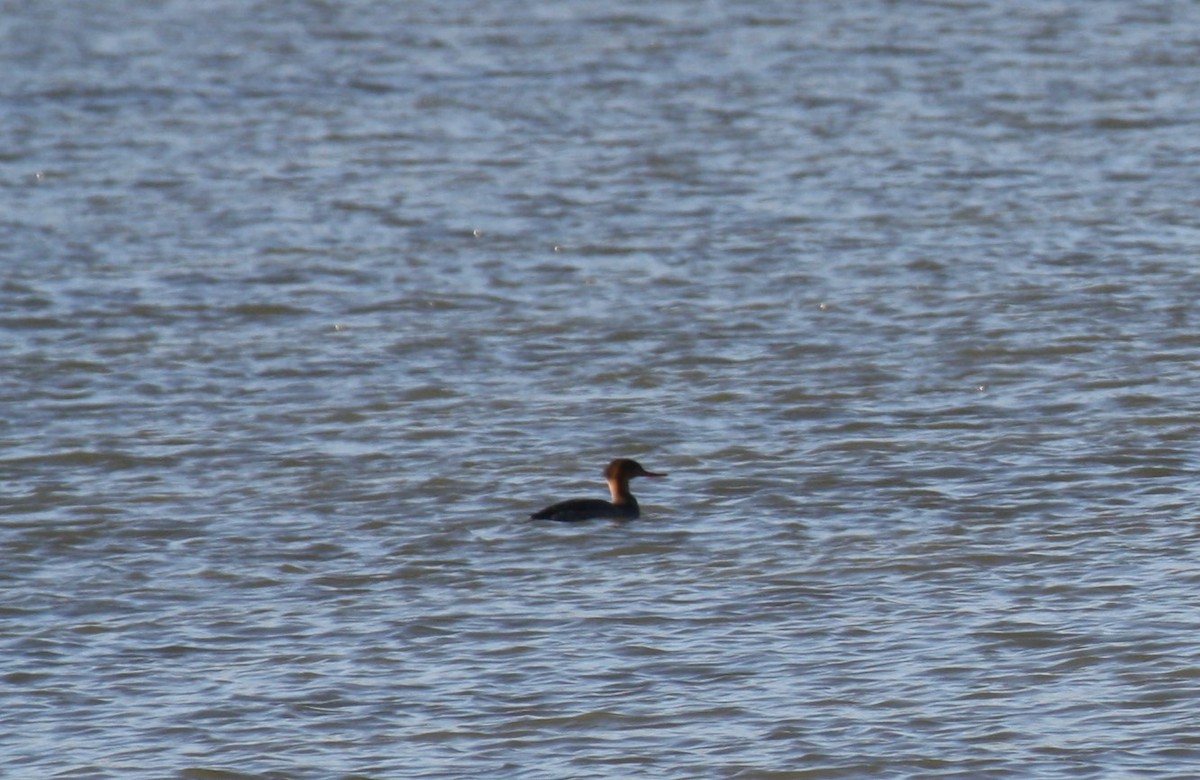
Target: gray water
<point x="306" y="306"/>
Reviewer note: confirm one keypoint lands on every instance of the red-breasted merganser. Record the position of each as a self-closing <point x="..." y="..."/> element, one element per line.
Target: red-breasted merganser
<point x="622" y="507"/>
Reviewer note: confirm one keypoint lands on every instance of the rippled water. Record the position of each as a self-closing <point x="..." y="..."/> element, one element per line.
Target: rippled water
<point x="306" y="306"/>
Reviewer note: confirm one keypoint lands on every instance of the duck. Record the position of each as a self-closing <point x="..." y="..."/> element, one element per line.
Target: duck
<point x="622" y="507"/>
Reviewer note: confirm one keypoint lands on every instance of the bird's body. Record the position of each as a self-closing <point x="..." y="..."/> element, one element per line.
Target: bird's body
<point x="576" y="509"/>
<point x="622" y="507"/>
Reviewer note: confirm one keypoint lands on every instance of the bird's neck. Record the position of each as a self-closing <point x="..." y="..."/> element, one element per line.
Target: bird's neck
<point x="620" y="492"/>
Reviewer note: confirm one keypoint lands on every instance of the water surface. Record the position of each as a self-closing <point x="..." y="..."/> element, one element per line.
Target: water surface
<point x="305" y="307"/>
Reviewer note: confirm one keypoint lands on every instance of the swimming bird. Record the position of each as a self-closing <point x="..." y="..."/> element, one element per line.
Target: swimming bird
<point x="622" y="507"/>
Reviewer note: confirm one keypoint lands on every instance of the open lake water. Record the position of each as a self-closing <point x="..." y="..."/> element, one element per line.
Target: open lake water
<point x="305" y="306"/>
